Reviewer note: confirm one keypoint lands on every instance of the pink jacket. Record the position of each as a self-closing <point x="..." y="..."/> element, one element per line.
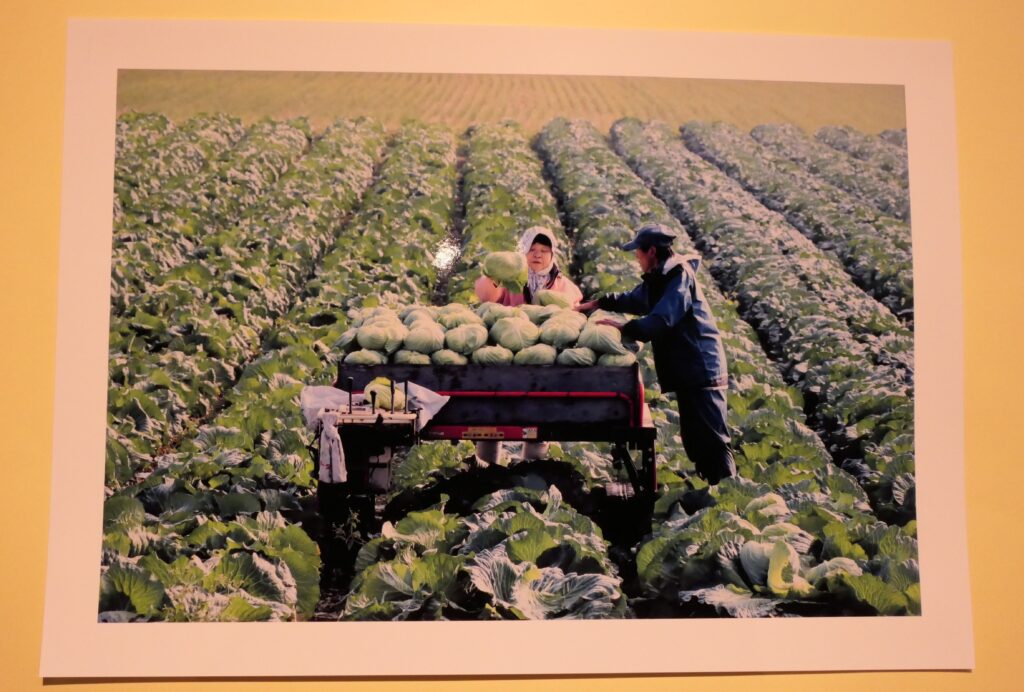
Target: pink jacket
<point x="488" y="292"/>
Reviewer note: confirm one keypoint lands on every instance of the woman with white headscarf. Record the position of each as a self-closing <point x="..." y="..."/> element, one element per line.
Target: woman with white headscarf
<point x="540" y="247"/>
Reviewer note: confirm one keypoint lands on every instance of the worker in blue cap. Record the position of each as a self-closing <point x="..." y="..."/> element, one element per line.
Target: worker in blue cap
<point x="688" y="354"/>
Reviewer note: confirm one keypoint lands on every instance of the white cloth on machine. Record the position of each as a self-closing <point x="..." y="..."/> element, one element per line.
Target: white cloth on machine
<point x="332" y="454"/>
<point x="322" y="407"/>
<point x="427" y="401"/>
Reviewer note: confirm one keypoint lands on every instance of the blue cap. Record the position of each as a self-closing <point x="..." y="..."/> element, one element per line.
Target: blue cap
<point x="651" y="235"/>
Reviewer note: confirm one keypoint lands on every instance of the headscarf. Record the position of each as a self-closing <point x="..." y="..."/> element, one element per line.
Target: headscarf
<point x="536" y="281"/>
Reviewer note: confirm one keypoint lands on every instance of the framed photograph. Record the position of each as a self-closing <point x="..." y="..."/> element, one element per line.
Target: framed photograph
<point x="321" y="384"/>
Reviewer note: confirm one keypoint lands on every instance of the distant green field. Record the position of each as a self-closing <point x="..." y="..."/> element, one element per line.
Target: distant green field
<point x="461" y="100"/>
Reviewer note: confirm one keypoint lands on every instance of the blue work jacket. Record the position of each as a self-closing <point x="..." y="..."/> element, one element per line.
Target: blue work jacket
<point x="678" y="322"/>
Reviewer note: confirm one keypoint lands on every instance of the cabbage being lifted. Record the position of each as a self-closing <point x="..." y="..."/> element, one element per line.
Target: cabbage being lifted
<point x="507" y="269"/>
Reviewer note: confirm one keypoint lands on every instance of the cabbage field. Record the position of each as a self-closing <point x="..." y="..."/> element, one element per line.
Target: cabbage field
<point x="246" y="258"/>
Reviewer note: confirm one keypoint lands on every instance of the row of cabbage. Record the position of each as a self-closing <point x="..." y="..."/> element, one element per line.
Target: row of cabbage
<point x="519" y="554"/>
<point x="221" y="502"/>
<point x="193" y="329"/>
<point x="887" y="152"/>
<point x="503" y="193"/>
<point x="874" y="249"/>
<point x="154" y="158"/>
<point x="851" y="358"/>
<point x="188" y="219"/>
<point x="135" y="134"/>
<point x="400" y="240"/>
<point x="789" y="501"/>
<point x="210" y="533"/>
<point x="867" y="183"/>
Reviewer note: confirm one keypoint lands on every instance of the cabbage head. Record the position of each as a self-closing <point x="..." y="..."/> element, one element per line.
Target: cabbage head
<point x="382" y="335"/>
<point x="492" y="355"/>
<point x="461" y="314"/>
<point x="784" y="572"/>
<point x="819" y="574"/>
<point x="380" y="313"/>
<point x="581" y="356"/>
<point x="451" y="308"/>
<point x="425" y="338"/>
<point x="602" y="339"/>
<point x="466" y="339"/>
<point x="404" y="357"/>
<point x="538" y="314"/>
<point x="538" y="354"/>
<point x="447" y="357"/>
<point x="755" y="558"/>
<point x="366" y="357"/>
<point x="515" y="334"/>
<point x="346" y="339"/>
<point x="506" y="268"/>
<point x="559" y="333"/>
<point x="415" y="313"/>
<point x="496" y="311"/>
<point x="617" y="360"/>
<point x="549" y="297"/>
<point x="577" y="319"/>
<point x="382" y="387"/>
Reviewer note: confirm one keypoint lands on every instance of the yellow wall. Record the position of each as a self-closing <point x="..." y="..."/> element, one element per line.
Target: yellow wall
<point x="988" y="72"/>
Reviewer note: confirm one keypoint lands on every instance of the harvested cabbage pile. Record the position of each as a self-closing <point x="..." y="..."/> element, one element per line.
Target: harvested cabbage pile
<point x="490" y="334"/>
